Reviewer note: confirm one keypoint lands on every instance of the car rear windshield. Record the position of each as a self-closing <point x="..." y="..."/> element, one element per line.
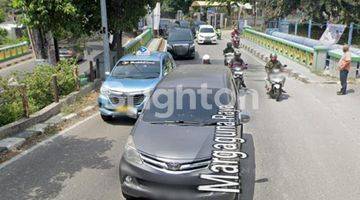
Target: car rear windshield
<point x="136" y="70"/>
<point x="207" y="30"/>
<point x="173" y="105"/>
<point x="180" y="35"/>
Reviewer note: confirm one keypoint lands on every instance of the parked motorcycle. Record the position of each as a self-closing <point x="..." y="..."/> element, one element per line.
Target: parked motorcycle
<point x="277" y="80"/>
<point x="228" y="58"/>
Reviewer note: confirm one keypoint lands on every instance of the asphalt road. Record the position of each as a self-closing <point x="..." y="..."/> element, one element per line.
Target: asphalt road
<point x="304" y="147"/>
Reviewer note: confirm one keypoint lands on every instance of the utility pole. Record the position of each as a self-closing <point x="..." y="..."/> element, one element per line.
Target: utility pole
<point x="105" y="31"/>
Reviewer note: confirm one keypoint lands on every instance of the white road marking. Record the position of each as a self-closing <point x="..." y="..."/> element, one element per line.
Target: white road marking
<point x="46" y="142"/>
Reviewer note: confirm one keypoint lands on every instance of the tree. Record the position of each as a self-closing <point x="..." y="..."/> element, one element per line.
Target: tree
<point x="124" y="16"/>
<point x="336" y="11"/>
<point x="228" y="3"/>
<point x="175" y="5"/>
<point x="47" y="20"/>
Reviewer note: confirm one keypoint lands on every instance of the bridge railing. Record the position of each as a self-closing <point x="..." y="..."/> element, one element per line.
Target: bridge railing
<point x="14" y="51"/>
<point x="335" y="56"/>
<point x="297" y="52"/>
<point x="141" y="40"/>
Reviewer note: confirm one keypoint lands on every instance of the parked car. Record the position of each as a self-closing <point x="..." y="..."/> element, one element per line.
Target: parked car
<point x="206" y="34"/>
<point x="130" y="83"/>
<point x="165" y="155"/>
<point x="181" y="43"/>
<point x="71" y="53"/>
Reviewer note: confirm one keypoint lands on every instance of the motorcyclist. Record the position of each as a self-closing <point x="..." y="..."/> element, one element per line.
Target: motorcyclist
<point x="273" y="64"/>
<point x="238" y="61"/>
<point x="235" y="32"/>
<point x="229" y="48"/>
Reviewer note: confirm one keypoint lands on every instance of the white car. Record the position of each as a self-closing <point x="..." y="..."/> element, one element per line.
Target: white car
<point x="206" y="34"/>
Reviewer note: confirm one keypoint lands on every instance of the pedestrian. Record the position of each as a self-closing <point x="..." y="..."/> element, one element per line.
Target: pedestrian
<point x="344" y="68"/>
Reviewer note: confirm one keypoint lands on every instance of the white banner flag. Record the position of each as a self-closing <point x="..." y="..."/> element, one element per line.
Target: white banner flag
<point x="332" y="34"/>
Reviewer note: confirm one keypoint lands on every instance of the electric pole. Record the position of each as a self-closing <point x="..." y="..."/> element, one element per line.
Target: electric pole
<point x="105" y="31"/>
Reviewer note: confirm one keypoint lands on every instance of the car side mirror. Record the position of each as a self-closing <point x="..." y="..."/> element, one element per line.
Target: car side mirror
<point x="244" y="117"/>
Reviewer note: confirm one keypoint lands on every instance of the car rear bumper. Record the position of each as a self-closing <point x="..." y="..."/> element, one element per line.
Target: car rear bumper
<point x="150" y="183"/>
<point x="205" y="41"/>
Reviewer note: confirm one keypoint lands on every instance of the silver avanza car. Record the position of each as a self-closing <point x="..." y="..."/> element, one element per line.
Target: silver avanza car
<point x="176" y="147"/>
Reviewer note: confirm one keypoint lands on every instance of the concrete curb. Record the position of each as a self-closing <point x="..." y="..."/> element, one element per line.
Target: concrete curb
<point x="46" y="113"/>
<point x="13" y="143"/>
<point x="16" y="61"/>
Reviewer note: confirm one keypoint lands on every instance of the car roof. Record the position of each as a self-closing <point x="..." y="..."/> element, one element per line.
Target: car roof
<point x="154" y="56"/>
<point x="216" y="77"/>
<point x="206" y="26"/>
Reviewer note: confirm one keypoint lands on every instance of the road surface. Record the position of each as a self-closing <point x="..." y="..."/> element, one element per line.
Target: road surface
<point x="304" y="147"/>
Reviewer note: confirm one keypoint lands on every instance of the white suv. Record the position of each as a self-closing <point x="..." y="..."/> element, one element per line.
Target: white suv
<point x="206" y="34"/>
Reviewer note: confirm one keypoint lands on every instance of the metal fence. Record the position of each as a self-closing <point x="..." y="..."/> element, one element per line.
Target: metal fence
<point x="141" y="40"/>
<point x="14" y="51"/>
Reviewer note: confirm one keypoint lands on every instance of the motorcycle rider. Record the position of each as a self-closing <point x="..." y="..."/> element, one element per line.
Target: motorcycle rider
<point x="238" y="61"/>
<point x="273" y="64"/>
<point x="229" y="48"/>
<point x="235" y="32"/>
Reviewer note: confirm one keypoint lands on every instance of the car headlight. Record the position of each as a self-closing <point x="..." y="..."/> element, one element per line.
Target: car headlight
<point x="201" y="37"/>
<point x="131" y="154"/>
<point x="192" y="45"/>
<point x="105" y="91"/>
<point x="214" y="37"/>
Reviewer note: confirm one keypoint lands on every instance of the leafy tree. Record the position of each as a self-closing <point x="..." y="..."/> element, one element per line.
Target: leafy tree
<point x="337" y="11"/>
<point x="175" y="5"/>
<point x="228" y="3"/>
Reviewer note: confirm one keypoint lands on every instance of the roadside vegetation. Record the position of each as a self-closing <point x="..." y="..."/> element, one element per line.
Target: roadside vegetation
<point x="39" y="90"/>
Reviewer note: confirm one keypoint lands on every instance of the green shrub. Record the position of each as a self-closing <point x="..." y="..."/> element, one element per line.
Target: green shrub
<point x="39" y="88"/>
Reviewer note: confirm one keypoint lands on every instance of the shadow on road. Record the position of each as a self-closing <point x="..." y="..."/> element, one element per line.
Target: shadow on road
<point x="42" y="174"/>
<point x="122" y="121"/>
<point x="248" y="169"/>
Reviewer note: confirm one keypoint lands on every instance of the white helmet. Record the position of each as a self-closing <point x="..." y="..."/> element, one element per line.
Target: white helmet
<point x="206" y="59"/>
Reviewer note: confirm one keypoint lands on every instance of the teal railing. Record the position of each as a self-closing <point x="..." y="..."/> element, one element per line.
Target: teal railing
<point x="297" y="52"/>
<point x="14" y="51"/>
<point x="141" y="40"/>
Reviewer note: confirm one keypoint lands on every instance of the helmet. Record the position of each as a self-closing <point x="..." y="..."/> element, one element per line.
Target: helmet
<point x="229" y="44"/>
<point x="273" y="57"/>
<point x="206" y="59"/>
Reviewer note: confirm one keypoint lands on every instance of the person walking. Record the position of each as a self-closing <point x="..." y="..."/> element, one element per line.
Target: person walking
<point x="344" y="68"/>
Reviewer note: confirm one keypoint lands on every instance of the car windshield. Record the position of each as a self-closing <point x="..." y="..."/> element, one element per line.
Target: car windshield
<point x="136" y="70"/>
<point x="206" y="30"/>
<point x="180" y="36"/>
<point x="191" y="109"/>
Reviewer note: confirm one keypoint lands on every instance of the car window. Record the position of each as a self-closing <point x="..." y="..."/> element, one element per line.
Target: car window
<point x="136" y="70"/>
<point x="180" y="35"/>
<point x="207" y="30"/>
<point x="191" y="109"/>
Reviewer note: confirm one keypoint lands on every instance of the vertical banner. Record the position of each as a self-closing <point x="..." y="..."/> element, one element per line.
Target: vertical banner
<point x="157" y="15"/>
<point x="332" y="34"/>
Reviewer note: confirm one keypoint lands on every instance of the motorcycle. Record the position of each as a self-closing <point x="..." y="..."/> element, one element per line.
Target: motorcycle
<point x="228" y="58"/>
<point x="236" y="41"/>
<point x="277" y="80"/>
<point x="238" y="74"/>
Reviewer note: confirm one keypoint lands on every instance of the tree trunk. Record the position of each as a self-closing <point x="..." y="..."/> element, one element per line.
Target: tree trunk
<point x="43" y="45"/>
<point x="116" y="44"/>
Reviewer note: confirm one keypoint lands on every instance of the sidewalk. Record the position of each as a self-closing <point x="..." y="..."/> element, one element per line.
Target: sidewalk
<point x="300" y="71"/>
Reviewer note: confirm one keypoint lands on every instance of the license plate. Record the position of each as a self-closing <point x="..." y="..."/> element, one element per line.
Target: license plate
<point x="122" y="109"/>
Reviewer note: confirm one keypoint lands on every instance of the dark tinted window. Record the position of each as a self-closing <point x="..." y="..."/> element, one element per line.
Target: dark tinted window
<point x="136" y="70"/>
<point x="185" y="108"/>
<point x="180" y="35"/>
<point x="207" y="30"/>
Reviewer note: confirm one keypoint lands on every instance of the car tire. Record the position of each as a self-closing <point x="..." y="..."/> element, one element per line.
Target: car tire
<point x="106" y="118"/>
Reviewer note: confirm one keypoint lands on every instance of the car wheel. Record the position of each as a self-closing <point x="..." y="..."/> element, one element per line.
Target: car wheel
<point x="106" y="118"/>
